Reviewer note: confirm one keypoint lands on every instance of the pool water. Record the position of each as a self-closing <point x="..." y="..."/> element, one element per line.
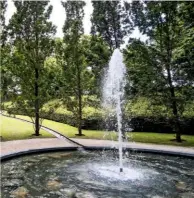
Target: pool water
<point x="96" y="175"/>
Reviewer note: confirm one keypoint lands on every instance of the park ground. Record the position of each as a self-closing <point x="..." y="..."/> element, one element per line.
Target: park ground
<point x="13" y="129"/>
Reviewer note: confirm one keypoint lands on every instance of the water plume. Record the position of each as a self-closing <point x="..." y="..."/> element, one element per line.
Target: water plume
<point x="113" y="93"/>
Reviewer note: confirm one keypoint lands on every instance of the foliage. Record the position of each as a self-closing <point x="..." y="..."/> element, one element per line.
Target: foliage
<point x="184" y="53"/>
<point x="74" y="64"/>
<point x="111" y="21"/>
<point x="54" y="76"/>
<point x="6" y="76"/>
<point x="97" y="55"/>
<point x="31" y="35"/>
<point x="140" y="115"/>
<point x="154" y="70"/>
<point x="3" y="7"/>
<point x="60" y="79"/>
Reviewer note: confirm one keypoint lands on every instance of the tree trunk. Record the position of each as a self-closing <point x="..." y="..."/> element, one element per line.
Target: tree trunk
<point x="174" y="106"/>
<point x="37" y="118"/>
<point x="37" y="125"/>
<point x="178" y="131"/>
<point x="171" y="86"/>
<point x="79" y="102"/>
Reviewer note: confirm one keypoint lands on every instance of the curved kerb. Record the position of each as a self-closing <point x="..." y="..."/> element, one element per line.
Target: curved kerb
<point x="93" y="148"/>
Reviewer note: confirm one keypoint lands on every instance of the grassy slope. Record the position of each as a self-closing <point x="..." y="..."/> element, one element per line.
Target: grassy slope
<point x="156" y="138"/>
<point x="12" y="129"/>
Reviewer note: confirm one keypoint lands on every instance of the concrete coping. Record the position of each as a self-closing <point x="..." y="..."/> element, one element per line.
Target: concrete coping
<point x="93" y="148"/>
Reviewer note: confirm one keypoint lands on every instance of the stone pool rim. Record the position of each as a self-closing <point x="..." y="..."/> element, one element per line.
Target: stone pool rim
<point x="93" y="148"/>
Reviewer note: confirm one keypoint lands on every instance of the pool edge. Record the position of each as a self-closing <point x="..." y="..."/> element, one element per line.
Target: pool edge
<point x="93" y="148"/>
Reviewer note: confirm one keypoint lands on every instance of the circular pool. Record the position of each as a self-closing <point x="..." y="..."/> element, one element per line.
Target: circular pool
<point x="85" y="174"/>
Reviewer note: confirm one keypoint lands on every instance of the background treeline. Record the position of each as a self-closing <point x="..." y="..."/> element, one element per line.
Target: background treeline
<point x="142" y="118"/>
<point x="61" y="78"/>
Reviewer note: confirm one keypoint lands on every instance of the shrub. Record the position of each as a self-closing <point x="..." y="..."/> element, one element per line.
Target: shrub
<point x="95" y="119"/>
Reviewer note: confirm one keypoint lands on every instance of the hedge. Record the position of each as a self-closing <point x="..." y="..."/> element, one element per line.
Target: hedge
<point x="139" y="124"/>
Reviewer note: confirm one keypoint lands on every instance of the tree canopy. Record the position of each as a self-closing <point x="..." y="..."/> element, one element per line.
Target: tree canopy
<point x="155" y="68"/>
<point x="38" y="68"/>
<point x="31" y="35"/>
<point x="111" y="21"/>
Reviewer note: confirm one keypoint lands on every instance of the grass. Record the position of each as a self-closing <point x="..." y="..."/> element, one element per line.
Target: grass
<point x="12" y="129"/>
<point x="70" y="131"/>
<point x="144" y="137"/>
<point x="162" y="138"/>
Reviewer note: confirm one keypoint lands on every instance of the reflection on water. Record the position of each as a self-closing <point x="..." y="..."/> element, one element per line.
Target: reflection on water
<point x="91" y="175"/>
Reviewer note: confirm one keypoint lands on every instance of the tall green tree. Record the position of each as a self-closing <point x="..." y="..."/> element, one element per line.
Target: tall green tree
<point x="31" y="35"/>
<point x="75" y="72"/>
<point x="5" y="75"/>
<point x="110" y="20"/>
<point x="153" y="67"/>
<point x="8" y="80"/>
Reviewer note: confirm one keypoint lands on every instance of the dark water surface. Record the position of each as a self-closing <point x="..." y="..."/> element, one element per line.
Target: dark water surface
<point x="96" y="175"/>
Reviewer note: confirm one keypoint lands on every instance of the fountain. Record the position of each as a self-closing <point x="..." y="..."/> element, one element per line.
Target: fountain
<point x="81" y="174"/>
<point x="113" y="92"/>
<point x="87" y="174"/>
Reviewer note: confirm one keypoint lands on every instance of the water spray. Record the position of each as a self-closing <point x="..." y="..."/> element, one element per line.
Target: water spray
<point x="113" y="92"/>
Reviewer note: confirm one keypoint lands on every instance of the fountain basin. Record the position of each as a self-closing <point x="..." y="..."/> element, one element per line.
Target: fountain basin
<point x="96" y="174"/>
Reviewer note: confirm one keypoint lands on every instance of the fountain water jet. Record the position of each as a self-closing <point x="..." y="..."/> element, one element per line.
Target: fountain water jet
<point x="113" y="92"/>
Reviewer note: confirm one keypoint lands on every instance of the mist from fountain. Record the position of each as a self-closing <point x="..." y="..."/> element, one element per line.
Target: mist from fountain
<point x="113" y="94"/>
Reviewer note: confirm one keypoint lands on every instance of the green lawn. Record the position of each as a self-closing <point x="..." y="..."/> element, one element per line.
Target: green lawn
<point x="11" y="131"/>
<point x="70" y="131"/>
<point x="162" y="138"/>
<point x="155" y="138"/>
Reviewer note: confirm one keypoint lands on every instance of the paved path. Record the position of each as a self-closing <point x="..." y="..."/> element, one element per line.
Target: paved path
<point x="134" y="145"/>
<point x="11" y="147"/>
<point x="15" y="146"/>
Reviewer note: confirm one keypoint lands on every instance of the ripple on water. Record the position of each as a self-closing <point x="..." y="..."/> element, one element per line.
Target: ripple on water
<point x="91" y="175"/>
<point x="112" y="172"/>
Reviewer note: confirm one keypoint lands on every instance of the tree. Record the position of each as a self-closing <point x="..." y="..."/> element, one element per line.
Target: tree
<point x="111" y="21"/>
<point x="54" y="75"/>
<point x="31" y="35"/>
<point x="5" y="77"/>
<point x="75" y="68"/>
<point x="184" y="53"/>
<point x="3" y="7"/>
<point x="153" y="67"/>
<point x="97" y="55"/>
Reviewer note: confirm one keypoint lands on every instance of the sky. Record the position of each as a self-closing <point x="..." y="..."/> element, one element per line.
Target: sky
<point x="58" y="17"/>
